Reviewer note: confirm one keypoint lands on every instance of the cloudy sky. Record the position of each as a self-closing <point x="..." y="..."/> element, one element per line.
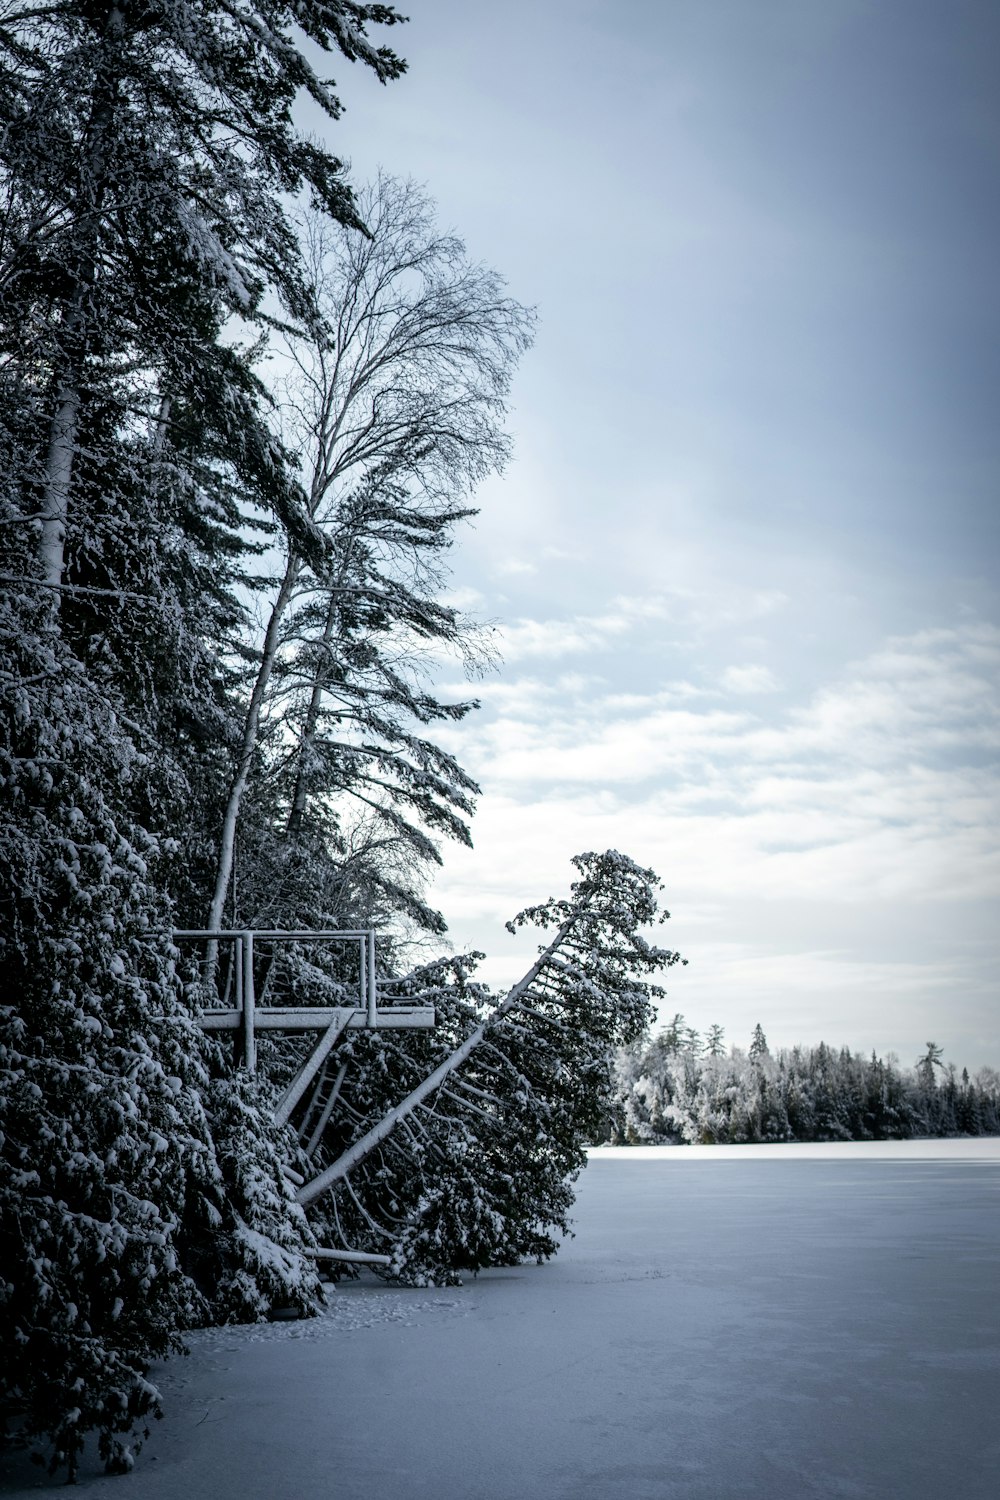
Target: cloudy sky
<point x="744" y="565"/>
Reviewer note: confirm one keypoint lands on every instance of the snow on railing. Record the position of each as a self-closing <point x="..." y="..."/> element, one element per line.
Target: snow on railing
<point x="248" y="1017"/>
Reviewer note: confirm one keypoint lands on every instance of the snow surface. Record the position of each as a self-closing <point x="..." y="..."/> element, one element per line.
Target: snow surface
<point x="931" y="1148"/>
<point x="746" y="1322"/>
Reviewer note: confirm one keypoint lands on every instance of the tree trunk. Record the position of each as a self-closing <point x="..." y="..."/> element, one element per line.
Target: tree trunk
<point x="356" y="1153"/>
<point x="248" y="743"/>
<point x="77" y="314"/>
<point x="308" y="740"/>
<point x="58" y="476"/>
<point x="159" y="425"/>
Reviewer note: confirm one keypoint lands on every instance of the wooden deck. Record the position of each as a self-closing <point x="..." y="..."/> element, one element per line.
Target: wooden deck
<point x="318" y="1018"/>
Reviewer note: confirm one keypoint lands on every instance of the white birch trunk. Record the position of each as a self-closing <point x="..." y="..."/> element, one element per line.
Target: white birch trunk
<point x="58" y="476"/>
<point x="248" y="744"/>
<point x="66" y="416"/>
<point x="158" y="427"/>
<point x="308" y="740"/>
<point x="356" y="1153"/>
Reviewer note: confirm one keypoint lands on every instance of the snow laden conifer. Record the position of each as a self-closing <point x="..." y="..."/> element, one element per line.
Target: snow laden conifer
<point x="715" y="1040"/>
<point x="459" y="1151"/>
<point x="145" y="158"/>
<point x="142" y="1189"/>
<point x="106" y="1155"/>
<point x="795" y="1094"/>
<point x="758" y="1044"/>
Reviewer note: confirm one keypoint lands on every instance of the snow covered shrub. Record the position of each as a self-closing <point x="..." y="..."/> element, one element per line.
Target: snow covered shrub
<point x="254" y="1261"/>
<point x="103" y="1128"/>
<point x="111" y="1191"/>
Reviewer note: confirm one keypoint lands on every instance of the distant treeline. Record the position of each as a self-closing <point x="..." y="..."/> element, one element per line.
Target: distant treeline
<point x="679" y="1088"/>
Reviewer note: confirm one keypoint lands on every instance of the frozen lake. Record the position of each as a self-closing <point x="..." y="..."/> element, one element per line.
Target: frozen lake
<point x="746" y="1323"/>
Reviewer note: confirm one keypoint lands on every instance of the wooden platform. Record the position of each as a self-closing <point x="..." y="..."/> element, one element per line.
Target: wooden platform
<point x="318" y="1018"/>
<point x="248" y="1018"/>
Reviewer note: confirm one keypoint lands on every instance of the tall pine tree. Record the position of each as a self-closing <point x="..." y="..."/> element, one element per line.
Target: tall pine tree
<point x="145" y="158"/>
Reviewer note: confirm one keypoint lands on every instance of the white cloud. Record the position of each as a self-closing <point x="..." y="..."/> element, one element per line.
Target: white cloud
<point x="705" y="609"/>
<point x="465" y="599"/>
<point x="700" y="612"/>
<point x="554" y="638"/>
<point x="667" y="695"/>
<point x="752" y="678"/>
<point x="873" y="801"/>
<point x="690" y="611"/>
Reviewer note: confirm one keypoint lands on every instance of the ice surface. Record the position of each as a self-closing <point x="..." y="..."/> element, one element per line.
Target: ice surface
<point x="931" y="1148"/>
<point x="728" y="1324"/>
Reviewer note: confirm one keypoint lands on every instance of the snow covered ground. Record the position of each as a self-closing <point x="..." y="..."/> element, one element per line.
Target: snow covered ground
<point x="775" y="1322"/>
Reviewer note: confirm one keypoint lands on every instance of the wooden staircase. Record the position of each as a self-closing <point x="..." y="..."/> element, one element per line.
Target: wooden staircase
<point x="320" y="1077"/>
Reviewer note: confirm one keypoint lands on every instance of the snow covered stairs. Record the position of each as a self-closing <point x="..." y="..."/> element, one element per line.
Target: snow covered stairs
<point x="319" y="1070"/>
<point x="311" y="1066"/>
<point x="325" y="1102"/>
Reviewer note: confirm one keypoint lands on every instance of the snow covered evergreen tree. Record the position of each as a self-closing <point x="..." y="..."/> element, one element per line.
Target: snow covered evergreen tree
<point x="715" y="1040"/>
<point x="145" y="156"/>
<point x="802" y="1094"/>
<point x="460" y="1151"/>
<point x="758" y="1044"/>
<point x="106" y="1149"/>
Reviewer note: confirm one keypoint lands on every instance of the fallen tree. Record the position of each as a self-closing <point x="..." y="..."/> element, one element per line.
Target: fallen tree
<point x="459" y="1150"/>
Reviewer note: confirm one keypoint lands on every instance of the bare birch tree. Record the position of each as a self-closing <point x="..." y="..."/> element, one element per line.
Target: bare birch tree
<point x="396" y="403"/>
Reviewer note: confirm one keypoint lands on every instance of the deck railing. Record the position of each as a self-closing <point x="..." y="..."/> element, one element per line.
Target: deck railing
<point x="249" y="1018"/>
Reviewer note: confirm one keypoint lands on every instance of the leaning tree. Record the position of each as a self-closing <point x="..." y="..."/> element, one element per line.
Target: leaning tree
<point x="459" y="1149"/>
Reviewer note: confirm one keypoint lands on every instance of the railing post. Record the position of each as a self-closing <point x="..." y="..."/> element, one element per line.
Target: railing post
<point x="362" y="970"/>
<point x="249" y="1004"/>
<point x="238" y="987"/>
<point x="372" y="992"/>
<point x="238" y="978"/>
